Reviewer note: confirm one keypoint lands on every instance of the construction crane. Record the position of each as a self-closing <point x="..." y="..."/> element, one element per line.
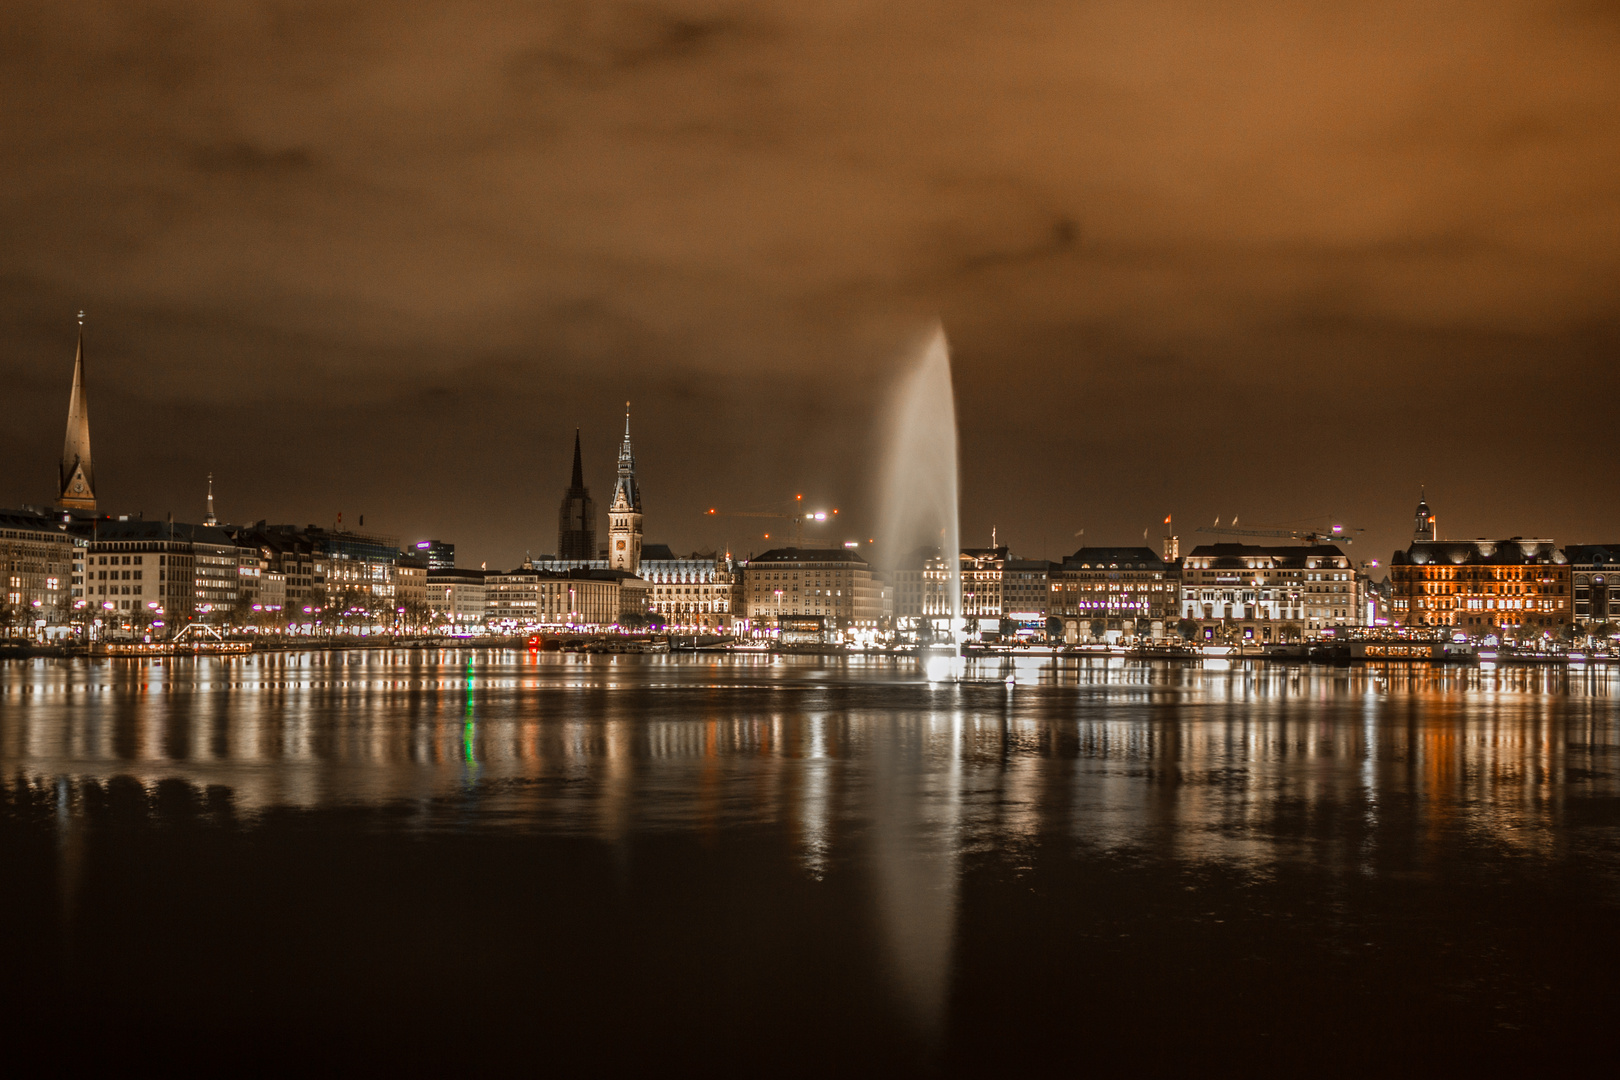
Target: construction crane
<point x="1335" y="534"/>
<point x="798" y="516"/>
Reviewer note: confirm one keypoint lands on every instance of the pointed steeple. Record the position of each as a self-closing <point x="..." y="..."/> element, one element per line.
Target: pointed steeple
<point x="576" y="519"/>
<point x="209" y="518"/>
<point x="77" y="476"/>
<point x="625" y="493"/>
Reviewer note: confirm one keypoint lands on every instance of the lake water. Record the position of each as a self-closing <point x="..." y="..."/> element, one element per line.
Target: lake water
<point x="421" y="861"/>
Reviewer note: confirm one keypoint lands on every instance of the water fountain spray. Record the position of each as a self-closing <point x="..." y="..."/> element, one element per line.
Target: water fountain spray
<point x="920" y="489"/>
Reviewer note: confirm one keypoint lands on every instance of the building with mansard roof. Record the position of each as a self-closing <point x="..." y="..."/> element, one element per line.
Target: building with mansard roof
<point x="1101" y="592"/>
<point x="1255" y="593"/>
<point x="1481" y="586"/>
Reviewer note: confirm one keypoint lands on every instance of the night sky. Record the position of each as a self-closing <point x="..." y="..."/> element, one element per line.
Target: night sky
<point x="1279" y="260"/>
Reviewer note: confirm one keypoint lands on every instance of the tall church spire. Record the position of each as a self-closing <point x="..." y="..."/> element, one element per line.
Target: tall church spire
<point x="76" y="475"/>
<point x="209" y="518"/>
<point x="576" y="518"/>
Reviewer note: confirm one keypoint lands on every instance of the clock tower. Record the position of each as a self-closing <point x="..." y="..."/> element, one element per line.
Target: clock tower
<point x="624" y="515"/>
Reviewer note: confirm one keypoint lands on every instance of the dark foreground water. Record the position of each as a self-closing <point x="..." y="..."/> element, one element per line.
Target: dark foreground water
<point x="475" y="862"/>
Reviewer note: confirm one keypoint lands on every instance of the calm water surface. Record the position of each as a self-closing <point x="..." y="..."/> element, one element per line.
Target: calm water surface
<point x="413" y="861"/>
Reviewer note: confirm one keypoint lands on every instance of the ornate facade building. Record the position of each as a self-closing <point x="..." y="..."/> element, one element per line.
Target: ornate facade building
<point x="691" y="593"/>
<point x="1262" y="594"/>
<point x="1481" y="586"/>
<point x="1478" y="586"/>
<point x="1131" y="590"/>
<point x="576" y="519"/>
<point x="624" y="515"/>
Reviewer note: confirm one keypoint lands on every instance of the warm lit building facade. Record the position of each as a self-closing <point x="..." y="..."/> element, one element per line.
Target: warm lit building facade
<point x="691" y="593"/>
<point x="1249" y="592"/>
<point x="981" y="570"/>
<point x="580" y="598"/>
<point x="168" y="570"/>
<point x="1481" y="586"/>
<point x="410" y="586"/>
<point x="457" y="596"/>
<point x="831" y="582"/>
<point x="1128" y="591"/>
<point x="921" y="587"/>
<point x="37" y="560"/>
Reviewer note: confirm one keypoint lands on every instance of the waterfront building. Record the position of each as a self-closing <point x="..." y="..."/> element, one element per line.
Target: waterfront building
<point x="1595" y="573"/>
<point x="576" y="519"/>
<point x="512" y="597"/>
<point x="981" y="571"/>
<point x="1025" y="589"/>
<point x="336" y="571"/>
<point x="37" y="561"/>
<point x="624" y="514"/>
<point x="1102" y="592"/>
<point x="292" y="560"/>
<point x="832" y="582"/>
<point x="77" y="475"/>
<point x="457" y="596"/>
<point x="410" y="586"/>
<point x="1481" y="586"/>
<point x="165" y="570"/>
<point x="528" y="597"/>
<point x="438" y="554"/>
<point x="690" y="593"/>
<point x="1255" y="593"/>
<point x="272" y="597"/>
<point x="251" y="567"/>
<point x="921" y="587"/>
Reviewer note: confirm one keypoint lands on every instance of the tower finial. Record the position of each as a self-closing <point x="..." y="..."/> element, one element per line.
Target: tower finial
<point x="81" y="318"/>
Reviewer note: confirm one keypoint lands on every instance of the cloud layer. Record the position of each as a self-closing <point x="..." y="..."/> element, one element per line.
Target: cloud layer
<point x="1283" y="259"/>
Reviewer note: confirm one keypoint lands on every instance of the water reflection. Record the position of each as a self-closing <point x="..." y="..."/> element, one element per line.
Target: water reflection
<point x="867" y="766"/>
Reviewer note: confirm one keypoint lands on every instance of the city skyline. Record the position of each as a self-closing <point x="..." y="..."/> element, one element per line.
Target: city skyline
<point x="731" y="536"/>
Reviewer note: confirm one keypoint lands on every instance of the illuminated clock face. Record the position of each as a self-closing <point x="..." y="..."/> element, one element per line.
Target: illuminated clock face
<point x="621" y="545"/>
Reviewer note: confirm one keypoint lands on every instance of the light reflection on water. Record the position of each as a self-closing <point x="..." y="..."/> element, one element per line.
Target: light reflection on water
<point x="872" y="761"/>
<point x="1114" y="753"/>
